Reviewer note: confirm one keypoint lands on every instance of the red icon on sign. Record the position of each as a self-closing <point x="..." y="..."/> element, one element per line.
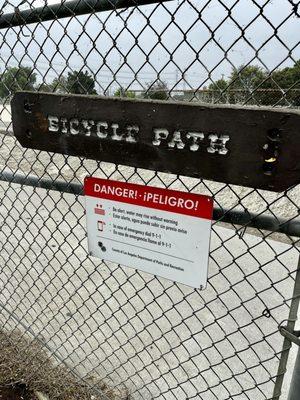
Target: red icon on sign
<point x="99" y="210"/>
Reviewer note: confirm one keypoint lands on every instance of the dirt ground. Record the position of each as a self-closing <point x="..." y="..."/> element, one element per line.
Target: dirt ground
<point x="16" y="393"/>
<point x="28" y="372"/>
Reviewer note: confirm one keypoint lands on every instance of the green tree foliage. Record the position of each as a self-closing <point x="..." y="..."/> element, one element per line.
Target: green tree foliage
<point x="287" y="77"/>
<point x="78" y="82"/>
<point x="44" y="87"/>
<point x="59" y="85"/>
<point x="121" y="92"/>
<point x="247" y="77"/>
<point x="218" y="85"/>
<point x="259" y="87"/>
<point x="243" y="83"/>
<point x="16" y="78"/>
<point x="217" y="91"/>
<point x="157" y="90"/>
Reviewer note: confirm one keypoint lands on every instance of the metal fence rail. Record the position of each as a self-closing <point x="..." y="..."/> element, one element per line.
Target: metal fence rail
<point x="140" y="335"/>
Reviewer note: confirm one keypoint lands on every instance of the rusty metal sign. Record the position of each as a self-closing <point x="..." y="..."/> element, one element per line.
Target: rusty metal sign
<point x="247" y="146"/>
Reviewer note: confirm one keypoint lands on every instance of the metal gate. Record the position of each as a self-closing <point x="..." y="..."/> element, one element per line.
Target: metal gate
<point x="120" y="332"/>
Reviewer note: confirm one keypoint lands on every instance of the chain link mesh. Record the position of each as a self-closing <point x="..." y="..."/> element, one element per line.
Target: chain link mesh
<point x="143" y="336"/>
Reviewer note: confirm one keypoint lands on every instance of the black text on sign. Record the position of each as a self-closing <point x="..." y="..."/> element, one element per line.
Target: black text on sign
<point x="159" y="231"/>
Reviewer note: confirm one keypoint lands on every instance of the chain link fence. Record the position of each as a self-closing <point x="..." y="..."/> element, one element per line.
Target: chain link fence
<point x="122" y="333"/>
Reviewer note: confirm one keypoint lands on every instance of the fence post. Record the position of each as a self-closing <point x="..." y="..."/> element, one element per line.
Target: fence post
<point x="294" y="393"/>
<point x="287" y="344"/>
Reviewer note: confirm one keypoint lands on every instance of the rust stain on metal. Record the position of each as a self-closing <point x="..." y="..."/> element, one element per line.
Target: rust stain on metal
<point x="41" y="121"/>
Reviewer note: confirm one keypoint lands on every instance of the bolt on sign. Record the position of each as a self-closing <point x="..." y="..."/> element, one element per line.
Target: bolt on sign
<point x="247" y="146"/>
<point x="159" y="231"/>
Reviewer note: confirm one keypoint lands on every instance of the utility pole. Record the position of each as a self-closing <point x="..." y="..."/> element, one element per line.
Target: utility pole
<point x="176" y="77"/>
<point x="184" y="82"/>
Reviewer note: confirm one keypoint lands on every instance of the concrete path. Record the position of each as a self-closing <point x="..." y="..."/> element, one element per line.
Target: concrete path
<point x="159" y="339"/>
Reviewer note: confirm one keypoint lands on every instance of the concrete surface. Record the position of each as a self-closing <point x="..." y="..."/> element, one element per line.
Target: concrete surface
<point x="158" y="339"/>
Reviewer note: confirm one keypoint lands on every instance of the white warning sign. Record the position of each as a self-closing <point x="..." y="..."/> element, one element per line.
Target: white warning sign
<point x="159" y="231"/>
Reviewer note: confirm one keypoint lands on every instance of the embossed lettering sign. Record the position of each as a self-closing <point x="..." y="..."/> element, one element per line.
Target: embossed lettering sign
<point x="255" y="147"/>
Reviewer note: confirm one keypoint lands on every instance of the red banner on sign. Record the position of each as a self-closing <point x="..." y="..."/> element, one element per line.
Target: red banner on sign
<point x="192" y="204"/>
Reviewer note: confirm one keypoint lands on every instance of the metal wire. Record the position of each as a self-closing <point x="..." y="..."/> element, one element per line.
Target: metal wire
<point x="138" y="333"/>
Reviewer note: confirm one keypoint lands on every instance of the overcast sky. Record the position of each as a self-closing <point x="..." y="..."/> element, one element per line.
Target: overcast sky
<point x="198" y="56"/>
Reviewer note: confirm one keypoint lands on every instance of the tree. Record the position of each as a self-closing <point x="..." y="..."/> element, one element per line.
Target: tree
<point x="219" y="86"/>
<point x="280" y="87"/>
<point x="59" y="85"/>
<point x="288" y="79"/>
<point x="45" y="87"/>
<point x="248" y="78"/>
<point x="121" y="92"/>
<point x="16" y="78"/>
<point x="80" y="82"/>
<point x="243" y="83"/>
<point x="156" y="90"/>
<point x="217" y="91"/>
